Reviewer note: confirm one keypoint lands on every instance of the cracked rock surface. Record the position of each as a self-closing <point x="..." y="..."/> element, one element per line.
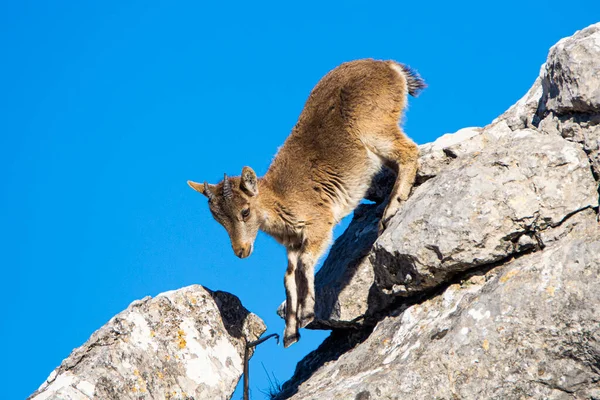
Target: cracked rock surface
<point x="183" y="344"/>
<point x="478" y="210"/>
<point x="527" y="329"/>
<point x="485" y="283"/>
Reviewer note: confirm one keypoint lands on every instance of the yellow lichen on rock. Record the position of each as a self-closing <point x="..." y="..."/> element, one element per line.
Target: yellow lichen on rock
<point x="486" y="345"/>
<point x="181" y="339"/>
<point x="508" y="275"/>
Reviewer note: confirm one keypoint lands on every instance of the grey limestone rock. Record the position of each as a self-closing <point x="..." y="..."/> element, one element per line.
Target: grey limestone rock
<point x="477" y="210"/>
<point x="569" y="82"/>
<point x="565" y="98"/>
<point x="572" y="73"/>
<point x="183" y="344"/>
<point x="529" y="328"/>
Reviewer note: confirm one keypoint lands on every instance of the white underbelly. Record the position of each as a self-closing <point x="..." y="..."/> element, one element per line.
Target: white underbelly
<point x="356" y="188"/>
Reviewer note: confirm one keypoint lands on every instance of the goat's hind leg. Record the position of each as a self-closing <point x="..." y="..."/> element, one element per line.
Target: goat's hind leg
<point x="401" y="154"/>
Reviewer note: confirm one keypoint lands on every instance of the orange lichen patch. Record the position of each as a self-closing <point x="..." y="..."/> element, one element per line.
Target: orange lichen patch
<point x="191" y="298"/>
<point x="160" y="375"/>
<point x="152" y="333"/>
<point x="141" y="383"/>
<point x="550" y="290"/>
<point x="508" y="275"/>
<point x="167" y="357"/>
<point x="486" y="345"/>
<point x="181" y="339"/>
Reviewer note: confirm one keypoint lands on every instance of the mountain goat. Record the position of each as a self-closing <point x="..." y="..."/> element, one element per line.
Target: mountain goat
<point x="346" y="132"/>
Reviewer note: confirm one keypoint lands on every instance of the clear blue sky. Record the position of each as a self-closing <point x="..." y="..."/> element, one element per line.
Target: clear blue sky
<point x="107" y="109"/>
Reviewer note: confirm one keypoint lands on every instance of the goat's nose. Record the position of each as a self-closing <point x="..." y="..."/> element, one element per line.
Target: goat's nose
<point x="244" y="250"/>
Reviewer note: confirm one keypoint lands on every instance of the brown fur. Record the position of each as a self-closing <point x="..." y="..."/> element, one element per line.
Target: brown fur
<point x="346" y="132"/>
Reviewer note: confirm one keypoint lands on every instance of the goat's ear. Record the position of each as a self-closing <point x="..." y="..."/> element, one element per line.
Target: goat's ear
<point x="249" y="182"/>
<point x="199" y="187"/>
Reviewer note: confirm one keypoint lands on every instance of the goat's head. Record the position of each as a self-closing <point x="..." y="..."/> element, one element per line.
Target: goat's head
<point x="233" y="202"/>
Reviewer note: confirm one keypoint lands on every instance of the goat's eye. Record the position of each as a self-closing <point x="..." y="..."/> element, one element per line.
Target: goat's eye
<point x="245" y="213"/>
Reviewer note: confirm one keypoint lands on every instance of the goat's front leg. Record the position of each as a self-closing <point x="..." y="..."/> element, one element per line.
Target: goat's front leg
<point x="305" y="282"/>
<point x="305" y="277"/>
<point x="291" y="334"/>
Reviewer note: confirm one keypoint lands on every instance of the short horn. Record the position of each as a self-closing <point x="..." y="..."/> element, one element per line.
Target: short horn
<point x="208" y="193"/>
<point x="227" y="192"/>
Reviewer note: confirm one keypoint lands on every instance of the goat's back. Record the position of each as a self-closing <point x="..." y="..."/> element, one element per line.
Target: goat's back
<point x="326" y="162"/>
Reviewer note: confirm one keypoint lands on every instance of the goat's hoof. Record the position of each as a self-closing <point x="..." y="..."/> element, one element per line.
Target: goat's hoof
<point x="306" y="319"/>
<point x="289" y="340"/>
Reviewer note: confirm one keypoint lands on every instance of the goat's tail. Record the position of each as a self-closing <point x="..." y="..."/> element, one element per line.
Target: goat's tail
<point x="414" y="82"/>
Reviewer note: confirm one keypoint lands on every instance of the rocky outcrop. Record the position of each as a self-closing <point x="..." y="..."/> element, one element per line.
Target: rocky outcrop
<point x="184" y="344"/>
<point x="565" y="98"/>
<point x="484" y="284"/>
<point x="529" y="328"/>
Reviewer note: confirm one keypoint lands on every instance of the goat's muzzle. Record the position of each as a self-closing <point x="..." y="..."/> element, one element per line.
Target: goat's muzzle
<point x="244" y="250"/>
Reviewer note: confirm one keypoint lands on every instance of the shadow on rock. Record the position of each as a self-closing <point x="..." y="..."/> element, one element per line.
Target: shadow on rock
<point x="339" y="342"/>
<point x="233" y="313"/>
